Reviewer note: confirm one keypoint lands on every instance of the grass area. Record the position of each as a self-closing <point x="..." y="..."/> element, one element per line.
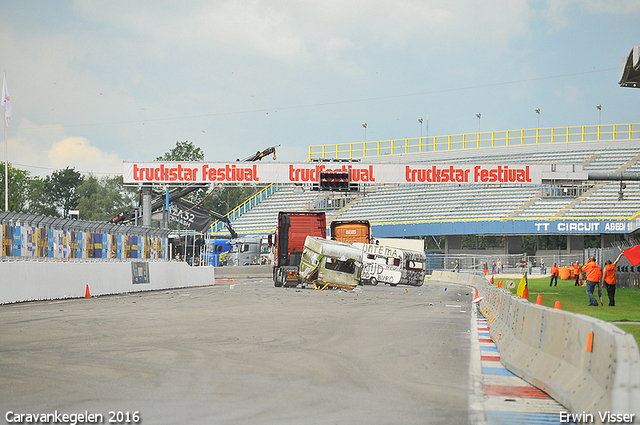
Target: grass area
<point x="633" y="330"/>
<point x="574" y="299"/>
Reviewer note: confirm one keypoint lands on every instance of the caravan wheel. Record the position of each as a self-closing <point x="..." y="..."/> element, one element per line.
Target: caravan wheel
<point x="373" y="281"/>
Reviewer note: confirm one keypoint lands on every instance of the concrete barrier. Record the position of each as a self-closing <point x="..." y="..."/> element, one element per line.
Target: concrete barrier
<point x="47" y="280"/>
<point x="586" y="364"/>
<point x="230" y="272"/>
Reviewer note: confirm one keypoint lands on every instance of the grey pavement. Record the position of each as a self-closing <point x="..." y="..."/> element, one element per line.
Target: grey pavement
<point x="244" y="352"/>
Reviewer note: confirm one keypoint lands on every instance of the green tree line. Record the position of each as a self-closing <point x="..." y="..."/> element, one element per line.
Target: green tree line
<point x="102" y="198"/>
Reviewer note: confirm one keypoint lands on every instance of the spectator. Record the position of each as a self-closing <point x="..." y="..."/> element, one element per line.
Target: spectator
<point x="609" y="280"/>
<point x="456" y="267"/>
<point x="494" y="267"/>
<point x="499" y="266"/>
<point x="555" y="272"/>
<point x="594" y="273"/>
<point x="576" y="271"/>
<point x="523" y="266"/>
<point x="543" y="267"/>
<point x="485" y="270"/>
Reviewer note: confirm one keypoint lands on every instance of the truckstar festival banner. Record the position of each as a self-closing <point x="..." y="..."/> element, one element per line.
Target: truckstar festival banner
<point x="414" y="173"/>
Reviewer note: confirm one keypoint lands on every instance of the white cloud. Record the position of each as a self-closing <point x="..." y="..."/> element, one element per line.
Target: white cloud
<point x="79" y="153"/>
<point x="560" y="11"/>
<point x="42" y="150"/>
<point x="299" y="31"/>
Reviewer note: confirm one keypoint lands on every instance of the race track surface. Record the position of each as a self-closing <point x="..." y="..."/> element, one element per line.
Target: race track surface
<point x="244" y="352"/>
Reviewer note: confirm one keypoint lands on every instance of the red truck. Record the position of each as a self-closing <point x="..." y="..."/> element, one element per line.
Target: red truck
<point x="293" y="229"/>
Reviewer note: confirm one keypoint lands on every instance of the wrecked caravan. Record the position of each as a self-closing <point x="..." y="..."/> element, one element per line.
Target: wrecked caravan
<point x="391" y="265"/>
<point x="415" y="268"/>
<point x="332" y="263"/>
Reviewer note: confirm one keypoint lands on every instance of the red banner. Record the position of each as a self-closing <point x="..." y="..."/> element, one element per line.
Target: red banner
<point x="414" y="173"/>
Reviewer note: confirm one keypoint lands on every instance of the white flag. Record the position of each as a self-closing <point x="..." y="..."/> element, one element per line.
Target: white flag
<point x="6" y="101"/>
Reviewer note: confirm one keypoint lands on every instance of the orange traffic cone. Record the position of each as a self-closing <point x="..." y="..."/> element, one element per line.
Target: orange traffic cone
<point x="557" y="306"/>
<point x="476" y="295"/>
<point x="499" y="284"/>
<point x="87" y="294"/>
<point x="539" y="300"/>
<point x="492" y="280"/>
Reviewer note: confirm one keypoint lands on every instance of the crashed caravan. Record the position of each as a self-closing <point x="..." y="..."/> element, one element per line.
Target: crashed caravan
<point x="330" y="263"/>
<point x="391" y="265"/>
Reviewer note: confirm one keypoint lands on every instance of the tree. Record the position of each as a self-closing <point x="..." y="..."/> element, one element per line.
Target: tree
<point x="103" y="198"/>
<point x="18" y="187"/>
<point x="186" y="151"/>
<point x="224" y="197"/>
<point x="183" y="151"/>
<point x="39" y="200"/>
<point x="62" y="187"/>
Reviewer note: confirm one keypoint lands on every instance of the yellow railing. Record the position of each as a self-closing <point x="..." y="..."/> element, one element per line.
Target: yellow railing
<point x="477" y="140"/>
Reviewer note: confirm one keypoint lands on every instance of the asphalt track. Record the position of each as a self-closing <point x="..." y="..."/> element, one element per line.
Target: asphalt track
<point x="244" y="352"/>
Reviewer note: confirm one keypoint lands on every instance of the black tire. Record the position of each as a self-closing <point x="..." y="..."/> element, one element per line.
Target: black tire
<point x="276" y="278"/>
<point x="373" y="281"/>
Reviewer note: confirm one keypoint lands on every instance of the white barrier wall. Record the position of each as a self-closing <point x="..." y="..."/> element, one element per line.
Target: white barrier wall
<point x="46" y="280"/>
<point x="586" y="364"/>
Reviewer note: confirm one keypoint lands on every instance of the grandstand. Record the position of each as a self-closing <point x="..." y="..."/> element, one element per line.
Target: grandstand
<point x="489" y="209"/>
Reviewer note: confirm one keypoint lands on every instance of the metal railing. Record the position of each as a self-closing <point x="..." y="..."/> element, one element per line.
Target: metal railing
<point x="218" y="226"/>
<point x="486" y="139"/>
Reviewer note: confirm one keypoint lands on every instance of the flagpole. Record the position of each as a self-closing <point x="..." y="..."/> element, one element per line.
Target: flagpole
<point x="6" y="166"/>
<point x="6" y="151"/>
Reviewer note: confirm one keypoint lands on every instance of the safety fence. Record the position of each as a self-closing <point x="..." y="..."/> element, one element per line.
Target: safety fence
<point x="29" y="236"/>
<point x="588" y="365"/>
<point x="476" y="140"/>
<point x="498" y="263"/>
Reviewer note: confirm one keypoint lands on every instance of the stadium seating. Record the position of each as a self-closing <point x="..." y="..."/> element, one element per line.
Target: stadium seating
<point x="382" y="204"/>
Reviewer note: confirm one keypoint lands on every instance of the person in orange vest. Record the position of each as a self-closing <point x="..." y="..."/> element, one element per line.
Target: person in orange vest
<point x="609" y="280"/>
<point x="576" y="271"/>
<point x="594" y="273"/>
<point x="555" y="272"/>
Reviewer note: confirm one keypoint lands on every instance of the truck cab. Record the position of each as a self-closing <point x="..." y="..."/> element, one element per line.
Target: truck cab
<point x="288" y="241"/>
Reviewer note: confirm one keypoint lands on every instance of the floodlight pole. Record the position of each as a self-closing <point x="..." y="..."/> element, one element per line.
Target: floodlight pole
<point x="6" y="166"/>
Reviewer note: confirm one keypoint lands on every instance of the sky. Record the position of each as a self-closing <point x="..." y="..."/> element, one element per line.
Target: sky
<point x="95" y="83"/>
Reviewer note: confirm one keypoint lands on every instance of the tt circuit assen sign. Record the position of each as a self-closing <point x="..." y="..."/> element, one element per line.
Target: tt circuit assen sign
<point x="243" y="172"/>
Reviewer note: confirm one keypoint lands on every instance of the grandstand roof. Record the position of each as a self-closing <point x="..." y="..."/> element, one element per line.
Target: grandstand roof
<point x="630" y="72"/>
